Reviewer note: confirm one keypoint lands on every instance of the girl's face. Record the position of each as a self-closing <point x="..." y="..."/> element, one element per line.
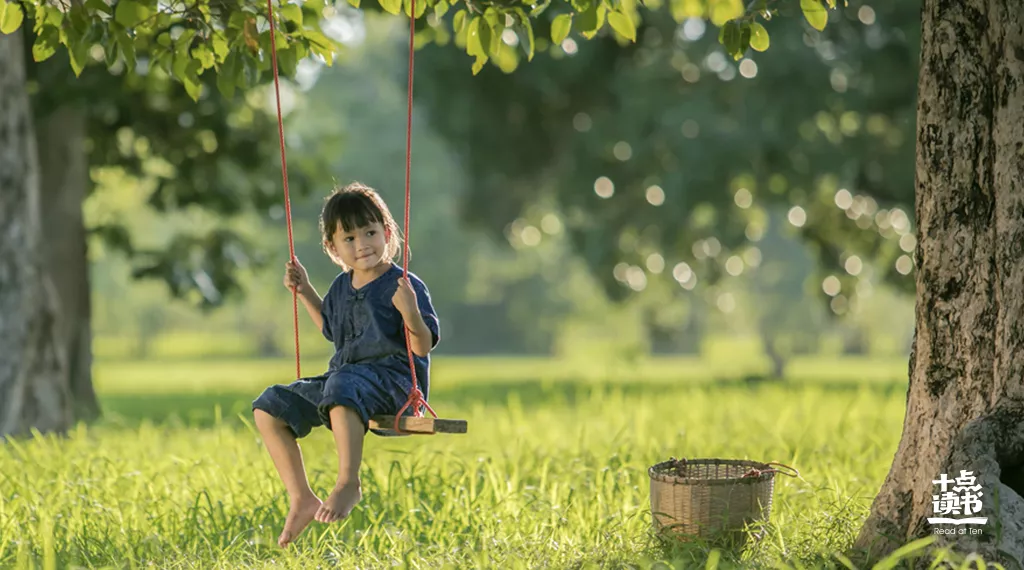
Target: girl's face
<point x="360" y="249"/>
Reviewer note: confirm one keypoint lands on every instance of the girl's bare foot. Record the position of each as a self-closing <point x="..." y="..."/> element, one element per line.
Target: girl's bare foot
<point x="299" y="516"/>
<point x="340" y="503"/>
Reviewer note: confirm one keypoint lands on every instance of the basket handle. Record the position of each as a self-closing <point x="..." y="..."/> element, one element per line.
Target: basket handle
<point x="754" y="472"/>
<point x="794" y="473"/>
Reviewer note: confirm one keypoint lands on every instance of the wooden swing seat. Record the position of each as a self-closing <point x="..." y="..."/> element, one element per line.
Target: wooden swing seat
<point x="423" y="426"/>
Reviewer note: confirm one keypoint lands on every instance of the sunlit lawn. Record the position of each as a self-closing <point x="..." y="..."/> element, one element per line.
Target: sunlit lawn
<point x="553" y="472"/>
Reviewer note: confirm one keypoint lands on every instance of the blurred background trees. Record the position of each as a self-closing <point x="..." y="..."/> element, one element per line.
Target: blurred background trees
<point x="606" y="199"/>
<point x="600" y="199"/>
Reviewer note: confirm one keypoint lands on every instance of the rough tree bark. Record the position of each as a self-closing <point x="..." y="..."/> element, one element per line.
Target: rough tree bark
<point x="34" y="391"/>
<point x="965" y="402"/>
<point x="64" y="179"/>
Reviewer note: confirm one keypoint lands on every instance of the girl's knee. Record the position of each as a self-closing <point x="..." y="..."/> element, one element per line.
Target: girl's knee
<point x="263" y="419"/>
<point x="337" y="415"/>
<point x="342" y="410"/>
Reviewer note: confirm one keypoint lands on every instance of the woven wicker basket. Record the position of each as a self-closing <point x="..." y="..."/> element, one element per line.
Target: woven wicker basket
<point x="711" y="499"/>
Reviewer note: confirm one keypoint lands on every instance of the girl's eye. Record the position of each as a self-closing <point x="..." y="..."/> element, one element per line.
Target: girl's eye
<point x="371" y="232"/>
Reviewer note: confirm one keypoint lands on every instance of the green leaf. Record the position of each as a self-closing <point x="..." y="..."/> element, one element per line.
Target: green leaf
<point x="288" y="61"/>
<point x="506" y="58"/>
<point x="190" y="79"/>
<point x="581" y="6"/>
<point x="46" y="14"/>
<point x="204" y="56"/>
<point x="236" y="21"/>
<point x="493" y="19"/>
<point x="479" y="63"/>
<point x="161" y="59"/>
<point x="560" y="28"/>
<point x="592" y="20"/>
<point x="11" y="17"/>
<point x="110" y="51"/>
<point x="441" y="8"/>
<point x="317" y="6"/>
<point x="292" y="13"/>
<point x="488" y="39"/>
<point x="181" y="62"/>
<point x="731" y="38"/>
<point x="226" y="76"/>
<point x="622" y="24"/>
<point x="79" y="19"/>
<point x="124" y="41"/>
<point x="421" y="7"/>
<point x="46" y="43"/>
<point x="184" y="42"/>
<point x="744" y="41"/>
<point x="491" y="29"/>
<point x="77" y="60"/>
<point x="529" y="40"/>
<point x="220" y="45"/>
<point x="393" y="7"/>
<point x="540" y="8"/>
<point x="353" y="3"/>
<point x="459" y="21"/>
<point x="758" y="37"/>
<point x="251" y="76"/>
<point x="815" y="13"/>
<point x="524" y="27"/>
<point x="480" y="39"/>
<point x="130" y="13"/>
<point x="78" y="49"/>
<point x="473" y="44"/>
<point x="99" y="6"/>
<point x="462" y="36"/>
<point x="321" y="45"/>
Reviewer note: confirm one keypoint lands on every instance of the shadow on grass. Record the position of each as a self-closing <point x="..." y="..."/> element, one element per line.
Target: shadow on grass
<point x="200" y="409"/>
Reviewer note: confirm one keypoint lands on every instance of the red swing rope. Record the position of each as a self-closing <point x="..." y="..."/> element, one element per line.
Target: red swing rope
<point x="415" y="395"/>
<point x="284" y="175"/>
<point x="415" y="399"/>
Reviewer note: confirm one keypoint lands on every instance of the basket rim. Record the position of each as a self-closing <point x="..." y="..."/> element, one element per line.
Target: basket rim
<point x="663" y="477"/>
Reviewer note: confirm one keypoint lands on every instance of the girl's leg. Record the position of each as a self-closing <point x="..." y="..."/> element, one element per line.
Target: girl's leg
<point x="284" y="451"/>
<point x="347" y="427"/>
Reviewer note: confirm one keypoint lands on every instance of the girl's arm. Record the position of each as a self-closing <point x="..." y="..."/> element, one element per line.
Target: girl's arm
<point x="419" y="333"/>
<point x="313" y="303"/>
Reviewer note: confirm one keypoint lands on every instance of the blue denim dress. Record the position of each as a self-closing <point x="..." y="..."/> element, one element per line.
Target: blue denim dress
<point x="369" y="371"/>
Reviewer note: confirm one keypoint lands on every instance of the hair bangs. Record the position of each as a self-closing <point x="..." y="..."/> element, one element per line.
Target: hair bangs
<point x="357" y="206"/>
<point x="353" y="211"/>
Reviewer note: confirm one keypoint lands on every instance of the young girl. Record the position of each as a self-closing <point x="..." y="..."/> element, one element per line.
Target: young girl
<point x="364" y="314"/>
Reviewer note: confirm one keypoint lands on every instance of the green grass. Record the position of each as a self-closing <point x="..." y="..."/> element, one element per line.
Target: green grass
<point x="553" y="472"/>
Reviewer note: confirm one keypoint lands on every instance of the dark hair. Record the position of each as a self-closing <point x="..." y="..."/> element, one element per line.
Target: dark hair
<point x="356" y="206"/>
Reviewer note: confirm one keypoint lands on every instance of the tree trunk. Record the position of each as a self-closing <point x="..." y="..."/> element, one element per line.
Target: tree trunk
<point x="768" y="345"/>
<point x="64" y="179"/>
<point x="34" y="391"/>
<point x="965" y="402"/>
